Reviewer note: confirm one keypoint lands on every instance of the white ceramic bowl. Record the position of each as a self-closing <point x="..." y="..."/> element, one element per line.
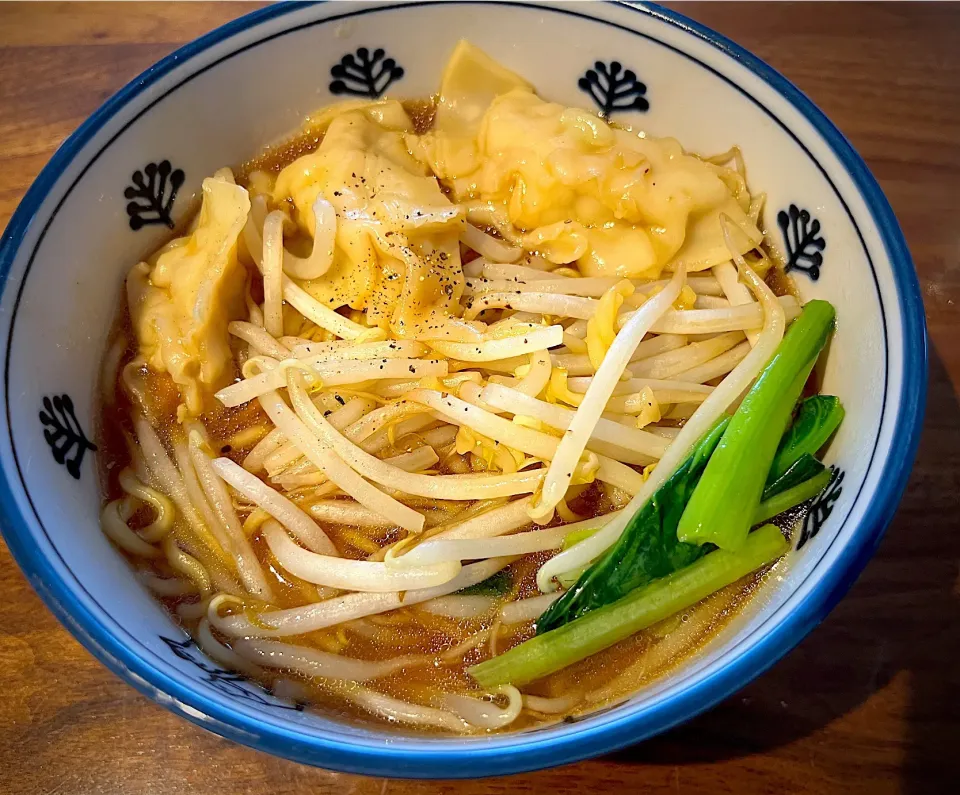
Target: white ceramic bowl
<point x="107" y="197"/>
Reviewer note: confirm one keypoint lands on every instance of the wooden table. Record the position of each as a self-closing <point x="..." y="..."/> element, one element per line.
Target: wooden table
<point x="868" y="703"/>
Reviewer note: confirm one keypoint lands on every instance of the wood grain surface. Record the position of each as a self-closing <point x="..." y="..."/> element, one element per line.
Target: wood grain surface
<point x="867" y="703"/>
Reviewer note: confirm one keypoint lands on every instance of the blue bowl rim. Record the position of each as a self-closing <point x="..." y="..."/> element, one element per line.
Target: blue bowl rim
<point x="474" y="759"/>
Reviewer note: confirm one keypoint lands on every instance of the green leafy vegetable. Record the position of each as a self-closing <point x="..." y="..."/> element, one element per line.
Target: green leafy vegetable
<point x="802" y="469"/>
<point x="792" y="497"/>
<point x="646" y="550"/>
<point x="495" y="585"/>
<point x="600" y="629"/>
<point x="817" y="418"/>
<point x="721" y="509"/>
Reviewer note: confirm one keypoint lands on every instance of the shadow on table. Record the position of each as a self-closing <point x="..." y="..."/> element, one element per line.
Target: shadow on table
<point x="901" y="619"/>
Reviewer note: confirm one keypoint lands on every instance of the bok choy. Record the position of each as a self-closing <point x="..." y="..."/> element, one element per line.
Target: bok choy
<point x="646" y="550"/>
<point x="600" y="629"/>
<point x="803" y="469"/>
<point x="649" y="548"/>
<point x="721" y="509"/>
<point x="817" y="418"/>
<point x="794" y="468"/>
<point x="792" y="497"/>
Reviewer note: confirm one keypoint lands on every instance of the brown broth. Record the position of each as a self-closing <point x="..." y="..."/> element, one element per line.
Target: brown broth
<point x="605" y="678"/>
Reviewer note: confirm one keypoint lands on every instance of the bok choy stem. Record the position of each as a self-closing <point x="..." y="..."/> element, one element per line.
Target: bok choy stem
<point x="802" y="470"/>
<point x="721" y="509"/>
<point x="608" y="625"/>
<point x="792" y="497"/>
<point x="779" y="497"/>
<point x="646" y="550"/>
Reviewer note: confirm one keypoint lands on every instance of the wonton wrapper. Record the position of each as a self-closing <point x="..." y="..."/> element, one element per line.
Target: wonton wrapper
<point x="181" y="306"/>
<point x="396" y="248"/>
<point x="525" y="165"/>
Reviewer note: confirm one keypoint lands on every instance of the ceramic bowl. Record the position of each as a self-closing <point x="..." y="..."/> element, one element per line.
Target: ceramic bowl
<point x="119" y="184"/>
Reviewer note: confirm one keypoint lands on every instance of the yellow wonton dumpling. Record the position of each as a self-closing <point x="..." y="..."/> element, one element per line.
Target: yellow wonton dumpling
<point x="525" y="166"/>
<point x="471" y="81"/>
<point x="396" y="246"/>
<point x="181" y="306"/>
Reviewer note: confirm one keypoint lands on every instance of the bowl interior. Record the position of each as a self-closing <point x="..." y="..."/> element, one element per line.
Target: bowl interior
<point x="224" y="98"/>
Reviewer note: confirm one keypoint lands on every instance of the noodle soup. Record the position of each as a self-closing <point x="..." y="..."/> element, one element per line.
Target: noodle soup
<point x="463" y="416"/>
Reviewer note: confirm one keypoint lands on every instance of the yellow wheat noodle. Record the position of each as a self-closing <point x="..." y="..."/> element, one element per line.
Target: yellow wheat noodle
<point x="602" y="327"/>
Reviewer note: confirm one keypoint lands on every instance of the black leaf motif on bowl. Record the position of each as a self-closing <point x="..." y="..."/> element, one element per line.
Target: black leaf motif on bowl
<point x="614" y="88"/>
<point x="821" y="507"/>
<point x="364" y="74"/>
<point x="152" y="194"/>
<point x="63" y="433"/>
<point x="803" y="241"/>
<point x="229" y="683"/>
